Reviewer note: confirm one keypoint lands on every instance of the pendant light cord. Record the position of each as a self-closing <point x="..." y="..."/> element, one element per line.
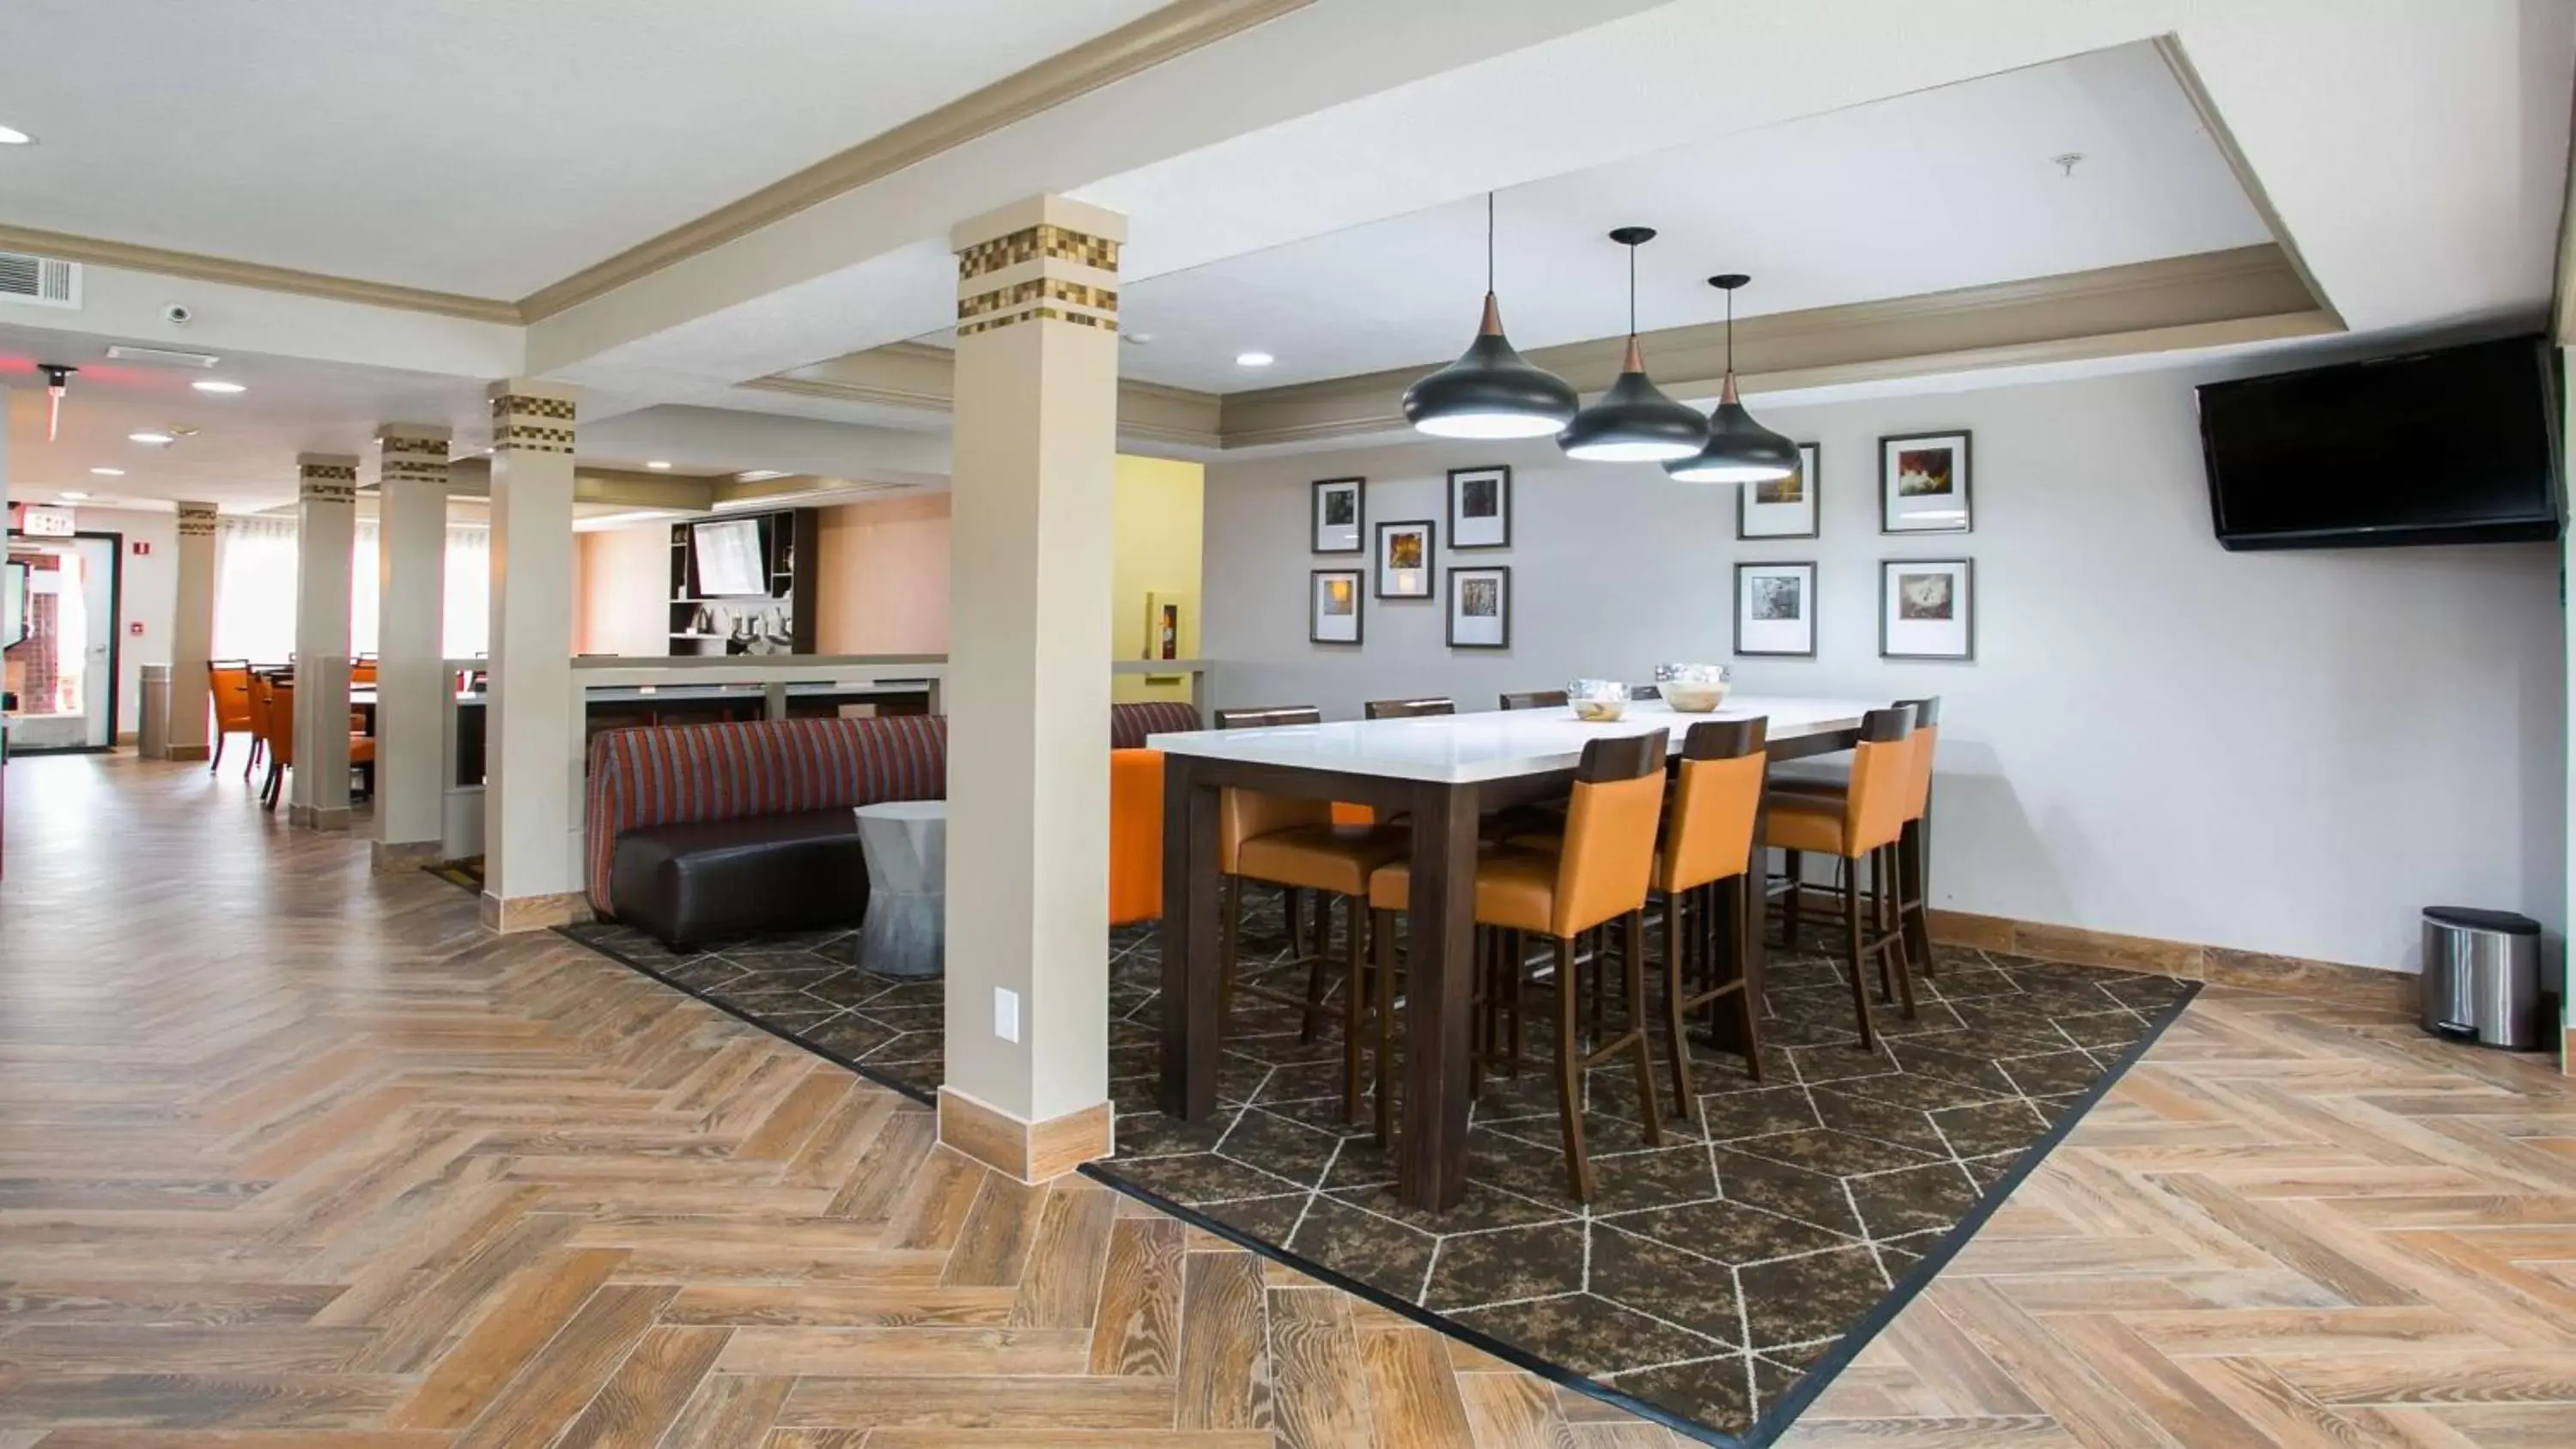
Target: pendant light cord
<point x="1730" y="332"/>
<point x="1489" y="243"/>
<point x="1632" y="291"/>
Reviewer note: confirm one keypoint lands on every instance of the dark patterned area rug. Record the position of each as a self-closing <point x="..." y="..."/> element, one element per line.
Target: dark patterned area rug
<point x="1716" y="1282"/>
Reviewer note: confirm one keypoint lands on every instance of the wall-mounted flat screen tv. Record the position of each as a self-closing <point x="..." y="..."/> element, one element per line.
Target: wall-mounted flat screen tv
<point x="731" y="561"/>
<point x="2457" y="445"/>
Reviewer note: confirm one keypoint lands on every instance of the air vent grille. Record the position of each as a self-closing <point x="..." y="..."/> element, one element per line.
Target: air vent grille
<point x="44" y="281"/>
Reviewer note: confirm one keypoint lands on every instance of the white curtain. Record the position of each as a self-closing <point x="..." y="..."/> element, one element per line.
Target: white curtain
<point x="255" y="590"/>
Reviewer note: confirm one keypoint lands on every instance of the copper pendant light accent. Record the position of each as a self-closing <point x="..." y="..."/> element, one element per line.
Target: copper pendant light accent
<point x="1633" y="422"/>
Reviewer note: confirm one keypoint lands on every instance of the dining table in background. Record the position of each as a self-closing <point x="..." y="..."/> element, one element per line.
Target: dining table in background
<point x="1445" y="772"/>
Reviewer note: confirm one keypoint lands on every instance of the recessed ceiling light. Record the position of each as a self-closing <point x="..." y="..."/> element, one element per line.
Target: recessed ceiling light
<point x="109" y="472"/>
<point x="155" y="440"/>
<point x="73" y="495"/>
<point x="757" y="475"/>
<point x="211" y="385"/>
<point x="12" y="137"/>
<point x="1253" y="359"/>
<point x="1139" y="338"/>
<point x="659" y="466"/>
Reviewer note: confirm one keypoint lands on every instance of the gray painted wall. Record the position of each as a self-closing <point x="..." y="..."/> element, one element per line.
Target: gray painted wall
<point x="2280" y="752"/>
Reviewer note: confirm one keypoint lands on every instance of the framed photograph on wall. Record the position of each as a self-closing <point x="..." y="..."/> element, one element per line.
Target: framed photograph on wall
<point x="1340" y="514"/>
<point x="1480" y="507"/>
<point x="1404" y="560"/>
<point x="1333" y="606"/>
<point x="1923" y="483"/>
<point x="1783" y="507"/>
<point x="1927" y="608"/>
<point x="1775" y="609"/>
<point x="1480" y="607"/>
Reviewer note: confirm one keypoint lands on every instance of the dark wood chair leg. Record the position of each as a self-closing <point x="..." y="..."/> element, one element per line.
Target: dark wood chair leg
<point x="1382" y="946"/>
<point x="1748" y="1004"/>
<point x="1898" y="957"/>
<point x="1569" y="1073"/>
<point x="1676" y="1033"/>
<point x="1515" y="966"/>
<point x="218" y="762"/>
<point x="1858" y="960"/>
<point x="1913" y="901"/>
<point x="1319" y="981"/>
<point x="1632" y="960"/>
<point x="1355" y="1009"/>
<point x="1796" y="869"/>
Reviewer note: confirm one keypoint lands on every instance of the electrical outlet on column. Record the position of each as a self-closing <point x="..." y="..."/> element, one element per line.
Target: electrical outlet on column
<point x="1006" y="1013"/>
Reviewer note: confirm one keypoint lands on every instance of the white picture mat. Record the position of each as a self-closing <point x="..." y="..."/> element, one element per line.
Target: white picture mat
<point x="1478" y="629"/>
<point x="1782" y="520"/>
<point x="1404" y="583"/>
<point x="1492" y="530"/>
<point x="1332" y="628"/>
<point x="1925" y="512"/>
<point x="1776" y="636"/>
<point x="1944" y="638"/>
<point x="1338" y="537"/>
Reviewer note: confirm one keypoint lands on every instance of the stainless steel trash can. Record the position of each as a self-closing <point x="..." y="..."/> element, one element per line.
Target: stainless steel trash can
<point x="2482" y="977"/>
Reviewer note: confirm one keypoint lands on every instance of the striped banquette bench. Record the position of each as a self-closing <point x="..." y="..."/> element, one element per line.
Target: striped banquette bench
<point x="700" y="833"/>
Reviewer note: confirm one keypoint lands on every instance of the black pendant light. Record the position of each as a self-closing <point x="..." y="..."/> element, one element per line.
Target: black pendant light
<point x="1739" y="449"/>
<point x="1633" y="422"/>
<point x="1490" y="391"/>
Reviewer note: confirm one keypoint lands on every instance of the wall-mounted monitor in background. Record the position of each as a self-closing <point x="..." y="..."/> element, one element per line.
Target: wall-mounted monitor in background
<point x="731" y="562"/>
<point x="13" y="603"/>
<point x="2458" y="445"/>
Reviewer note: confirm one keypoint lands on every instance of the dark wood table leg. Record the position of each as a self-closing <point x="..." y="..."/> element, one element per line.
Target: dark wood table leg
<point x="1192" y="1031"/>
<point x="1431" y="1170"/>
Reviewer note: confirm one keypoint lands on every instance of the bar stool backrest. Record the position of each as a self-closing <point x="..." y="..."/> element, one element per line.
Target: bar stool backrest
<point x="1268" y="716"/>
<point x="1709" y="835"/>
<point x="228" y="680"/>
<point x="1409" y="708"/>
<point x="1535" y="699"/>
<point x="1882" y="779"/>
<point x="1608" y="858"/>
<point x="1927" y="734"/>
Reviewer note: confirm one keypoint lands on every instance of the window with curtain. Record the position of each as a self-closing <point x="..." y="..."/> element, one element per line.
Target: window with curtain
<point x="255" y="560"/>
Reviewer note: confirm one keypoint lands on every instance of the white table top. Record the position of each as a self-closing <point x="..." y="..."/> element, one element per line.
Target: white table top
<point x="904" y="810"/>
<point x="1458" y="749"/>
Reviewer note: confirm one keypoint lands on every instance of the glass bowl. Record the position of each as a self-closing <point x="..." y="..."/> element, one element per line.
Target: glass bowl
<point x="1692" y="688"/>
<point x="1597" y="701"/>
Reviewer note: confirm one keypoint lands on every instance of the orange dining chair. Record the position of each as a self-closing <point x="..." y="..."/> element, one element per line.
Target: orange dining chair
<point x="1913" y="846"/>
<point x="228" y="689"/>
<point x="281" y="744"/>
<point x="1862" y="824"/>
<point x="263" y="709"/>
<point x="1704" y="869"/>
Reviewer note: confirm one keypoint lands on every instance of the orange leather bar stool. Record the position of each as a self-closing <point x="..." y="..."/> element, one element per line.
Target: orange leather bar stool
<point x="1135" y="836"/>
<point x="1599" y="877"/>
<point x="228" y="689"/>
<point x="281" y="742"/>
<point x="1535" y="699"/>
<point x="362" y="670"/>
<point x="1293" y="900"/>
<point x="1408" y="708"/>
<point x="1705" y="870"/>
<point x="1861" y="825"/>
<point x="263" y="714"/>
<point x="1913" y="866"/>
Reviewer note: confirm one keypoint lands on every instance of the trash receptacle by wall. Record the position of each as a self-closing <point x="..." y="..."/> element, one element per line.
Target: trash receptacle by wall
<point x="2482" y="977"/>
<point x="152" y="737"/>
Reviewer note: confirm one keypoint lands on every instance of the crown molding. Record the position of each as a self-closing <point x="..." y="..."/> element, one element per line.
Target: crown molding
<point x="1148" y="41"/>
<point x="197" y="266"/>
<point x="919" y="377"/>
<point x="2178" y="64"/>
<point x="2211" y="299"/>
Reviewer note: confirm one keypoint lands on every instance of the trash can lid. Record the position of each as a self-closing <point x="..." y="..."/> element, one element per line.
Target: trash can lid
<point x="2471" y="918"/>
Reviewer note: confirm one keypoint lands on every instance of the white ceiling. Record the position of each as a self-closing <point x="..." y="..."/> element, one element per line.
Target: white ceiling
<point x="480" y="146"/>
<point x="1945" y="188"/>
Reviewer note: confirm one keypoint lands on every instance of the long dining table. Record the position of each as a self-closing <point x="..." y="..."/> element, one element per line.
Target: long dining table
<point x="1443" y="772"/>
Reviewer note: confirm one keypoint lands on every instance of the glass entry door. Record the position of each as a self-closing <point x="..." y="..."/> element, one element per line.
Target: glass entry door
<point x="64" y="671"/>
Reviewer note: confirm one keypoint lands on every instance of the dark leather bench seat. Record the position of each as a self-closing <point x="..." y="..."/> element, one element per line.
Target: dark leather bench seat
<point x="708" y="881"/>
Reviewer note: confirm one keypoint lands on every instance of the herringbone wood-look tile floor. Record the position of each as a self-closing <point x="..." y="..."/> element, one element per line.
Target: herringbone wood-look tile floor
<point x="292" y="1156"/>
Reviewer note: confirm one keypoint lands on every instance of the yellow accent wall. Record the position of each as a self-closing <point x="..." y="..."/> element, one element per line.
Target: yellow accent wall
<point x="1157" y="526"/>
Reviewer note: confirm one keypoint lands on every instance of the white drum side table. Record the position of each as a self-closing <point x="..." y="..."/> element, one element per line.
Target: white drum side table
<point x="906" y="842"/>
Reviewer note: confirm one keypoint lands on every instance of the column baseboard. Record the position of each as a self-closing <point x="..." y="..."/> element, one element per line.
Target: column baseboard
<point x="386" y="857"/>
<point x="185" y="753"/>
<point x="1030" y="1151"/>
<point x="534" y="913"/>
<point x="2369" y="986"/>
<point x="318" y="817"/>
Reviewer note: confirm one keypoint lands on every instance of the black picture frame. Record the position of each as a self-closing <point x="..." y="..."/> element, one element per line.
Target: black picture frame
<point x="1359" y="515"/>
<point x="1502" y="599"/>
<point x="1501" y="475"/>
<point x="1811" y="465"/>
<point x="1964" y="601"/>
<point x="1430" y="557"/>
<point x="1963" y="472"/>
<point x="1315" y="611"/>
<point x="1807" y="605"/>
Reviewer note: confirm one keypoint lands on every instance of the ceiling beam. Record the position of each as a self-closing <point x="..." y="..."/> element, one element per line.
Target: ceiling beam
<point x="197" y="266"/>
<point x="917" y="376"/>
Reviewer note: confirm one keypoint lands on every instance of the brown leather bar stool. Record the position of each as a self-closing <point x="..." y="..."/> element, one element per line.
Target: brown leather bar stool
<point x="1913" y="844"/>
<point x="1705" y="871"/>
<point x="1408" y="708"/>
<point x="1535" y="699"/>
<point x="1862" y="825"/>
<point x="1598" y="878"/>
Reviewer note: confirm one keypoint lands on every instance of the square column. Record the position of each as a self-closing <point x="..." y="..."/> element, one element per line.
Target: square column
<point x="533" y="751"/>
<point x="326" y="533"/>
<point x="1027" y="690"/>
<point x="411" y="614"/>
<point x="192" y="635"/>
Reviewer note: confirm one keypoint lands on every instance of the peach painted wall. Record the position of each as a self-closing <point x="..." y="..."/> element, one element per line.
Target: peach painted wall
<point x="884" y="588"/>
<point x="618" y="580"/>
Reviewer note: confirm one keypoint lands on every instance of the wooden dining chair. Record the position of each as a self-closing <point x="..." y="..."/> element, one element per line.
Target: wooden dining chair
<point x="1598" y="879"/>
<point x="1535" y="699"/>
<point x="228" y="692"/>
<point x="1913" y="845"/>
<point x="1704" y="869"/>
<point x="1861" y="826"/>
<point x="1408" y="708"/>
